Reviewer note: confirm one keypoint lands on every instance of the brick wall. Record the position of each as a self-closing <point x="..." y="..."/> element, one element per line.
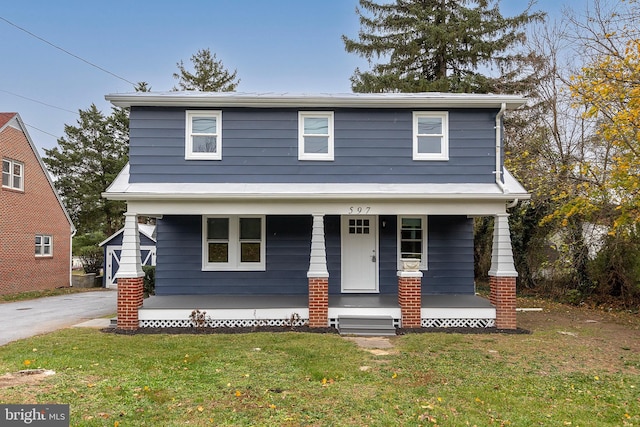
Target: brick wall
<point x="318" y="302"/>
<point x="23" y="214"/>
<point x="130" y="296"/>
<point x="503" y="297"/>
<point x="410" y="300"/>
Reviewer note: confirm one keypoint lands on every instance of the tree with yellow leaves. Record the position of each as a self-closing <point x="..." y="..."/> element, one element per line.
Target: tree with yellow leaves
<point x="609" y="90"/>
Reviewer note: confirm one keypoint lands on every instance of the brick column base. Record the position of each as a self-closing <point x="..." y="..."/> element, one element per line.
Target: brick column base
<point x="129" y="300"/>
<point x="503" y="297"/>
<point x="410" y="300"/>
<point x="318" y="302"/>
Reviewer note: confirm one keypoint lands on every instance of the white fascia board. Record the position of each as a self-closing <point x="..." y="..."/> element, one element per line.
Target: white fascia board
<point x="291" y="100"/>
<point x="327" y="207"/>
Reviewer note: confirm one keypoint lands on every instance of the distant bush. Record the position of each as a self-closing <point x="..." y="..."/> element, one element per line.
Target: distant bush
<point x="149" y="280"/>
<point x="92" y="259"/>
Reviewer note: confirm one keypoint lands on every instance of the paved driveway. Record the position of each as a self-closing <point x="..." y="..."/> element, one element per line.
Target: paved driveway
<point x="28" y="318"/>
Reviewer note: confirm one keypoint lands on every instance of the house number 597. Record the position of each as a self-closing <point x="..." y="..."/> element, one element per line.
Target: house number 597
<point x="354" y="210"/>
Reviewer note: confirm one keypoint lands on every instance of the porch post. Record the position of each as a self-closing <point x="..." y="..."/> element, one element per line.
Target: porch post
<point x="502" y="275"/>
<point x="410" y="294"/>
<point x="130" y="275"/>
<point x="318" y="276"/>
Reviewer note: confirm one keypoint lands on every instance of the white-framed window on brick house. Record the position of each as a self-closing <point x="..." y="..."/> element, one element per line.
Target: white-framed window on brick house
<point x="12" y="174"/>
<point x="430" y="135"/>
<point x="233" y="243"/>
<point x="315" y="135"/>
<point x="203" y="135"/>
<point x="412" y="239"/>
<point x="44" y="245"/>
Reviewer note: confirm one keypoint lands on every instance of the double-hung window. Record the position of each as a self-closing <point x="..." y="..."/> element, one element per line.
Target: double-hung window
<point x="233" y="243"/>
<point x="12" y="174"/>
<point x="203" y="135"/>
<point x="315" y="135"/>
<point x="44" y="245"/>
<point x="430" y="135"/>
<point x="412" y="239"/>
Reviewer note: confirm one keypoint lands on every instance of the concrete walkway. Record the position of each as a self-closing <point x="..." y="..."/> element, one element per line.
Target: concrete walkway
<point x="25" y="319"/>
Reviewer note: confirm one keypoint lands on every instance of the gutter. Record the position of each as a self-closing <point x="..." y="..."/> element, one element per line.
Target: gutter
<point x="498" y="171"/>
<point x="73" y="234"/>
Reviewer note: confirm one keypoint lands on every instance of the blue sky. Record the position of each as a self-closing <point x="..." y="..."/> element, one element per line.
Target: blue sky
<point x="276" y="46"/>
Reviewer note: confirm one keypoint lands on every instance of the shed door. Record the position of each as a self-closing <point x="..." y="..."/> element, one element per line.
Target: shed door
<point x="112" y="262"/>
<point x="359" y="254"/>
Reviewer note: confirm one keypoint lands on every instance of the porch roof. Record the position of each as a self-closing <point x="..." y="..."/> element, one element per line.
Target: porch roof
<point x="123" y="189"/>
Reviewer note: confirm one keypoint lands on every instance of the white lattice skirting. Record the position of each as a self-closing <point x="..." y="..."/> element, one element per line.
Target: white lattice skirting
<point x="288" y="323"/>
<point x="457" y="323"/>
<point x="223" y="323"/>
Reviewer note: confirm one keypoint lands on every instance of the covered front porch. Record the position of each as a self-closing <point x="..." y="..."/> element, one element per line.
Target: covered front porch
<point x="230" y="311"/>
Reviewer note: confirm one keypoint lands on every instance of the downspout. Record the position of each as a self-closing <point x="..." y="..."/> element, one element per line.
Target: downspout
<point x="498" y="171"/>
<point x="73" y="234"/>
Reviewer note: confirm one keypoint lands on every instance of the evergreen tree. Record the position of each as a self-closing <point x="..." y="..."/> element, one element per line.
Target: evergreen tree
<point x="86" y="161"/>
<point x="209" y="75"/>
<point x="439" y="45"/>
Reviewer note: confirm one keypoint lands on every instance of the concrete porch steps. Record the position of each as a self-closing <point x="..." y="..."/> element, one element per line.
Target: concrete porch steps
<point x="366" y="325"/>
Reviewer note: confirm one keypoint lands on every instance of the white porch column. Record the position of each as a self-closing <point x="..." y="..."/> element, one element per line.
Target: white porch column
<point x="130" y="275"/>
<point x="318" y="276"/>
<point x="130" y="265"/>
<point x="318" y="260"/>
<point x="501" y="252"/>
<point x="502" y="275"/>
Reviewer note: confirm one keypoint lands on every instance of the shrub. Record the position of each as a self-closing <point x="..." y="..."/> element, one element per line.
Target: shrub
<point x="149" y="280"/>
<point x="91" y="258"/>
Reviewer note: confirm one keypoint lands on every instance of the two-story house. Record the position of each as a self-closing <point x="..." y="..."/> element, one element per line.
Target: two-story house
<point x="280" y="208"/>
<point x="35" y="229"/>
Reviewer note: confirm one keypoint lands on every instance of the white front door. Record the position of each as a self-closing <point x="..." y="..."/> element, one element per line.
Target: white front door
<point x="359" y="254"/>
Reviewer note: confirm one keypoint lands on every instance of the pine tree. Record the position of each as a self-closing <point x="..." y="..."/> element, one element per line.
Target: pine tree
<point x="439" y="45"/>
<point x="85" y="163"/>
<point x="209" y="75"/>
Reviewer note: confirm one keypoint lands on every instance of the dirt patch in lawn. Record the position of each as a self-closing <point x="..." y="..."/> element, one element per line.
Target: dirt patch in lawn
<point x="28" y="376"/>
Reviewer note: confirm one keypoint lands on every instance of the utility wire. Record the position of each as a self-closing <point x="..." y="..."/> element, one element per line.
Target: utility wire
<point x="43" y="131"/>
<point x="39" y="102"/>
<point x="66" y="51"/>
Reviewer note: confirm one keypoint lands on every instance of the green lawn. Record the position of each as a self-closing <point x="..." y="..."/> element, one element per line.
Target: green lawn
<point x="298" y="379"/>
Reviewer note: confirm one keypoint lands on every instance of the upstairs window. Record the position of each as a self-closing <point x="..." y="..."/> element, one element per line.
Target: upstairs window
<point x="234" y="243"/>
<point x="315" y="135"/>
<point x="412" y="239"/>
<point x="44" y="245"/>
<point x="430" y="136"/>
<point x="12" y="174"/>
<point x="203" y="135"/>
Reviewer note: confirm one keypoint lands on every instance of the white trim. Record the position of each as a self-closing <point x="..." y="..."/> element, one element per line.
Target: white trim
<point x="444" y="136"/>
<point x="224" y="314"/>
<point x="109" y="279"/>
<point x="234" y="246"/>
<point x="189" y="154"/>
<point x="425" y="255"/>
<point x="310" y="100"/>
<point x="42" y="245"/>
<point x="302" y="154"/>
<point x="12" y="164"/>
<point x="457" y="313"/>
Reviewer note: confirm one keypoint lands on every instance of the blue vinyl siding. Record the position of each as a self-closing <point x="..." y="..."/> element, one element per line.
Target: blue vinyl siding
<point x="450" y="256"/>
<point x="179" y="258"/>
<point x="261" y="145"/>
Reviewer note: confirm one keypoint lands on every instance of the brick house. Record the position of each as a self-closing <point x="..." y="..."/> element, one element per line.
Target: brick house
<point x="346" y="210"/>
<point x="35" y="228"/>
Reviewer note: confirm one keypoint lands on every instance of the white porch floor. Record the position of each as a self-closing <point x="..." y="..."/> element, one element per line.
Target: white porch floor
<point x="292" y="310"/>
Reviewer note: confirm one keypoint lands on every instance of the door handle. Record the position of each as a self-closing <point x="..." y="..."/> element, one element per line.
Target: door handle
<point x="373" y="258"/>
